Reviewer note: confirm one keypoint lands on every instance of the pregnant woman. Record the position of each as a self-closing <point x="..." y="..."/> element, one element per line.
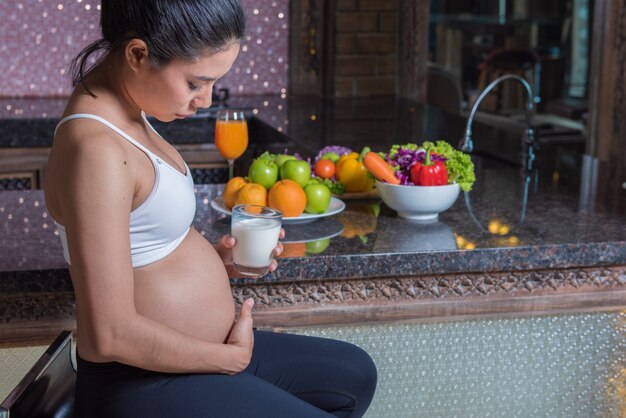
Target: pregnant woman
<point x="156" y="328"/>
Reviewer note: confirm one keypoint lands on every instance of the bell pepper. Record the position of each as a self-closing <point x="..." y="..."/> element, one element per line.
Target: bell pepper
<point x="353" y="174"/>
<point x="429" y="173"/>
<point x="351" y="156"/>
<point x="370" y="183"/>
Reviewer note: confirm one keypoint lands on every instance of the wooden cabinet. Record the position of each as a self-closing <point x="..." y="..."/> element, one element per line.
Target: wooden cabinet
<point x="22" y="168"/>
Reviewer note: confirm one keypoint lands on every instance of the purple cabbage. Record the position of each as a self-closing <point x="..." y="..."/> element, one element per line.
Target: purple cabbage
<point x="337" y="149"/>
<point x="402" y="159"/>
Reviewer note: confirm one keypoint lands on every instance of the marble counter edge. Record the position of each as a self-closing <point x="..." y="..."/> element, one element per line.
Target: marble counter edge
<point x="34" y="315"/>
<point x="486" y="260"/>
<point x="360" y="266"/>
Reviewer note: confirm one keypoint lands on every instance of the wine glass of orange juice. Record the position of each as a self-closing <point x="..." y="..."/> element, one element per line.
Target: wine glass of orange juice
<point x="231" y="136"/>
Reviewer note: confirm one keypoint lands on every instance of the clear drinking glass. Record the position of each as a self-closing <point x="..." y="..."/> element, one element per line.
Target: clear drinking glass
<point x="256" y="230"/>
<point x="231" y="136"/>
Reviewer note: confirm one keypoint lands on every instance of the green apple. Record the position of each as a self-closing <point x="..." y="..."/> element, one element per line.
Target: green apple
<point x="317" y="198"/>
<point x="296" y="170"/>
<point x="332" y="156"/>
<point x="317" y="247"/>
<point x="280" y="159"/>
<point x="264" y="172"/>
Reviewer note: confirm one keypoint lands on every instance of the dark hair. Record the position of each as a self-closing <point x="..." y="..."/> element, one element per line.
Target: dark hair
<point x="182" y="29"/>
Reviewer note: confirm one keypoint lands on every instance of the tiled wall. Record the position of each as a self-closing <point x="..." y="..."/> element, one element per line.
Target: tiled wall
<point x="560" y="366"/>
<point x="366" y="47"/>
<point x="38" y="38"/>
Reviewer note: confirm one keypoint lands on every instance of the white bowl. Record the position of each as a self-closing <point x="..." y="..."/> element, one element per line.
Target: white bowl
<point x="421" y="203"/>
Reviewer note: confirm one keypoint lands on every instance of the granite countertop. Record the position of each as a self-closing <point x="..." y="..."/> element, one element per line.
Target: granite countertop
<point x="369" y="240"/>
<point x="500" y="233"/>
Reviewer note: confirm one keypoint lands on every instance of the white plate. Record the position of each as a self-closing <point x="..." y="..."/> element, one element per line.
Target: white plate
<point x="336" y="206"/>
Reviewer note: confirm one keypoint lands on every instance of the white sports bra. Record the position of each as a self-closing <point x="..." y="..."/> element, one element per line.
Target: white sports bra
<point x="160" y="223"/>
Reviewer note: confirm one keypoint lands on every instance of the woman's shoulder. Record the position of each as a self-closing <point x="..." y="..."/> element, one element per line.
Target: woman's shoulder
<point x="84" y="133"/>
<point x="87" y="138"/>
<point x="84" y="154"/>
<point x="86" y="125"/>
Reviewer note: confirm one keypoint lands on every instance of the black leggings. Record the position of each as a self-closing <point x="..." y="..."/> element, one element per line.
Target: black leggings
<point x="290" y="376"/>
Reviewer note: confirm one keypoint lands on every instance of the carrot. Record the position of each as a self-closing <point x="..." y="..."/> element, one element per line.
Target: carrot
<point x="379" y="168"/>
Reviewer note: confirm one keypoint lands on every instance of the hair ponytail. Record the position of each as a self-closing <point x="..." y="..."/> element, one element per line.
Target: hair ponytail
<point x="79" y="67"/>
<point x="172" y="29"/>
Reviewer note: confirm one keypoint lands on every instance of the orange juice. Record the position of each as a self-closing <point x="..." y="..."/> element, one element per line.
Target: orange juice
<point x="231" y="138"/>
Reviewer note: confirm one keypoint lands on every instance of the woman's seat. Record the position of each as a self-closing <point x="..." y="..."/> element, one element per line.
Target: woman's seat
<point x="47" y="390"/>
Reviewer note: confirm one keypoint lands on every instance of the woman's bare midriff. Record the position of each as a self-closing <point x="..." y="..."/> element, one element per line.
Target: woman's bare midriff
<point x="188" y="291"/>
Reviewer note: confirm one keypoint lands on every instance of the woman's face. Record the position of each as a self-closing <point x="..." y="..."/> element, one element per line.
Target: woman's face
<point x="178" y="89"/>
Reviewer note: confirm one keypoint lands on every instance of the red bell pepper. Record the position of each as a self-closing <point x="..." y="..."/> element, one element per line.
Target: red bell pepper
<point x="429" y="173"/>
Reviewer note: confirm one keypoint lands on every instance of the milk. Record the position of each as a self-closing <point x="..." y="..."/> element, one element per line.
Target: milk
<point x="255" y="241"/>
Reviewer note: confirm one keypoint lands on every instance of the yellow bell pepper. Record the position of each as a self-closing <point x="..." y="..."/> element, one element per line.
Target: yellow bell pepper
<point x="353" y="174"/>
<point x="344" y="158"/>
<point x="369" y="184"/>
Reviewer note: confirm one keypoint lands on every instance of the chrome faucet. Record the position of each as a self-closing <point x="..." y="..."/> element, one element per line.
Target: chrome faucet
<point x="528" y="140"/>
<point x="467" y="145"/>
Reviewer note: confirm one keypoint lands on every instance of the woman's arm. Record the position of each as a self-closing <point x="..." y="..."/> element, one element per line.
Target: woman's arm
<point x="95" y="203"/>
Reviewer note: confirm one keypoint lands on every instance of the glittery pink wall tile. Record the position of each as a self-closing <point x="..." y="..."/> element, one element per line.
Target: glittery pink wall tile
<point x="38" y="38"/>
<point x="262" y="65"/>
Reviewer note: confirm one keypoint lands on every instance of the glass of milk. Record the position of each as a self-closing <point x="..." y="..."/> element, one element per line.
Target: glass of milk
<point x="256" y="230"/>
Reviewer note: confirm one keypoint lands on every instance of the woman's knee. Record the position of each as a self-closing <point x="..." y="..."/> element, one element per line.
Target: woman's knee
<point x="357" y="363"/>
<point x="360" y="370"/>
<point x="368" y="369"/>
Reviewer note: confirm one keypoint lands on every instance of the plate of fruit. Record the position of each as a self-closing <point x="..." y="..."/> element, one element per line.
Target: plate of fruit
<point x="282" y="182"/>
<point x="336" y="206"/>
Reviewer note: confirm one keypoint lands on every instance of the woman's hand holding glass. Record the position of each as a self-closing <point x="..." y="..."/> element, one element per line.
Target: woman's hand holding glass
<point x="225" y="250"/>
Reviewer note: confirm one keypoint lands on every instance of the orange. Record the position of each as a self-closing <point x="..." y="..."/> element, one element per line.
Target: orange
<point x="232" y="188"/>
<point x="288" y="197"/>
<point x="251" y="194"/>
<point x="293" y="249"/>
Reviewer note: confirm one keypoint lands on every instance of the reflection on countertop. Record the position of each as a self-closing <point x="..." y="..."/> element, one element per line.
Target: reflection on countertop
<point x="368" y="239"/>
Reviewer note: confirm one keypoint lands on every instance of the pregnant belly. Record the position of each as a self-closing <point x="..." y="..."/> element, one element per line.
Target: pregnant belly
<point x="188" y="290"/>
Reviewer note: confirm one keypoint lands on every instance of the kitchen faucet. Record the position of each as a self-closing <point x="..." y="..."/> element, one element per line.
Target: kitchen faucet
<point x="467" y="145"/>
<point x="528" y="140"/>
